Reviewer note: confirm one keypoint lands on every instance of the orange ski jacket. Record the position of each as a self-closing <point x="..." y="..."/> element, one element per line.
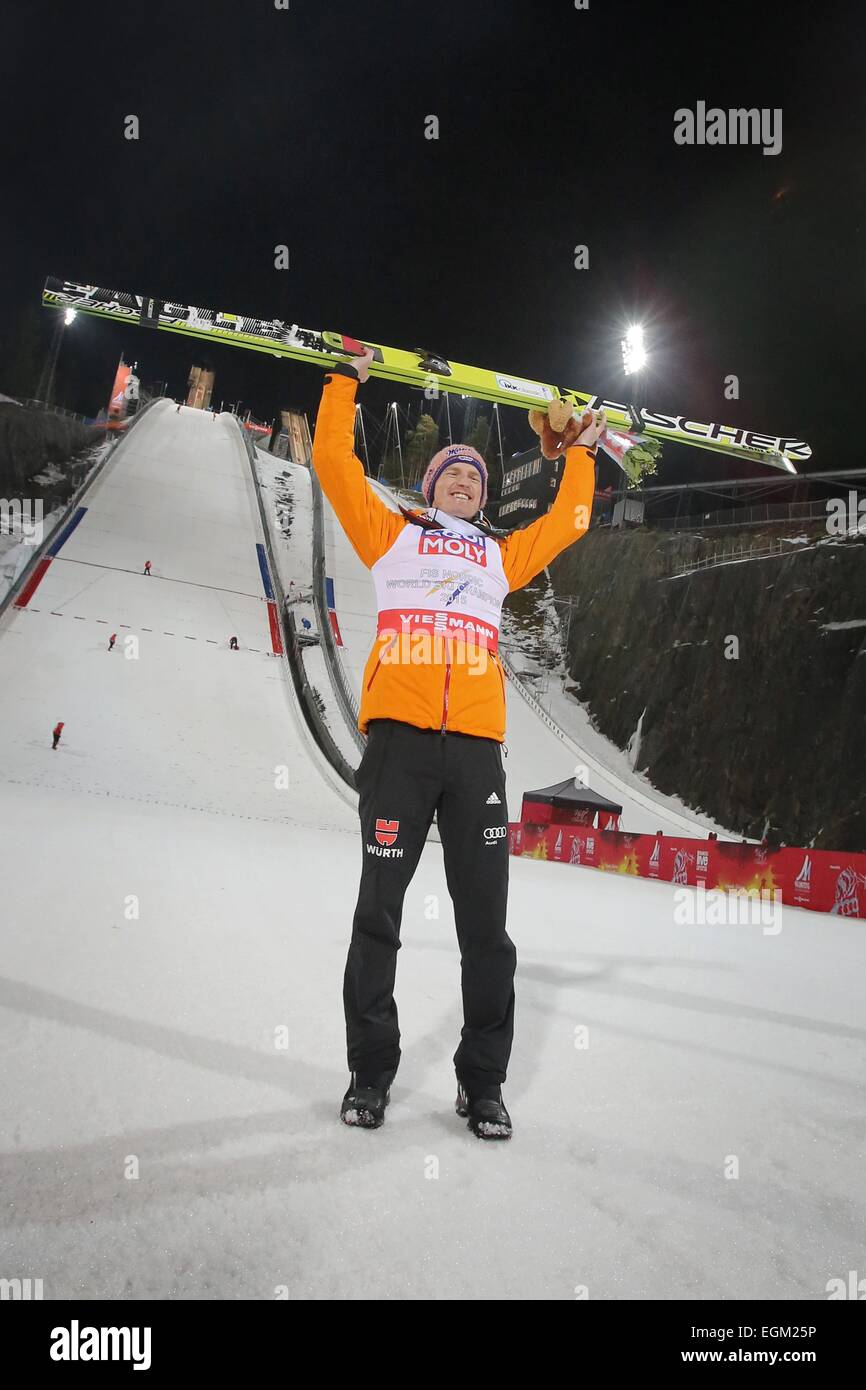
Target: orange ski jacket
<point x="435" y="661"/>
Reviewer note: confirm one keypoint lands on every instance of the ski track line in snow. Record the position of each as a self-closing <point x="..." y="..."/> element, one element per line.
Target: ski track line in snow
<point x="185" y="635"/>
<point x="166" y="578"/>
<point x="176" y="805"/>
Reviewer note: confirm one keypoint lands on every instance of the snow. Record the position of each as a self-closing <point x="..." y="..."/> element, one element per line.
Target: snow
<point x="156" y="1038"/>
<point x="171" y="715"/>
<point x="50" y="474"/>
<point x="851" y="533"/>
<point x="318" y="674"/>
<point x="288" y="505"/>
<point x="17" y="552"/>
<point x="175" y="932"/>
<point x="839" y="627"/>
<point x="633" y="746"/>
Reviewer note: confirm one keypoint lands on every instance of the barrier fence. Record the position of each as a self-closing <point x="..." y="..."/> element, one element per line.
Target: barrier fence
<point x="761" y="514"/>
<point x="737" y="554"/>
<point x="821" y="880"/>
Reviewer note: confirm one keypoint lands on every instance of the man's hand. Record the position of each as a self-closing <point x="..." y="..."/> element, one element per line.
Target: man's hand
<point x="593" y="425"/>
<point x="362" y="364"/>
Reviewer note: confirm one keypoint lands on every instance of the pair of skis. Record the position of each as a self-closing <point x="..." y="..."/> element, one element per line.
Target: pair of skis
<point x="421" y="369"/>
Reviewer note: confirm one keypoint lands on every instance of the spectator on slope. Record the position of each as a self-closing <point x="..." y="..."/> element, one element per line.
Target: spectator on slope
<point x="147" y="567"/>
<point x="233" y="644"/>
<point x="111" y="641"/>
<point x="433" y="709"/>
<point x="56" y="732"/>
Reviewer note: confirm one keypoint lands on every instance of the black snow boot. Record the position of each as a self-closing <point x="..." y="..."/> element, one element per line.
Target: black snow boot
<point x="486" y="1113"/>
<point x="364" y="1102"/>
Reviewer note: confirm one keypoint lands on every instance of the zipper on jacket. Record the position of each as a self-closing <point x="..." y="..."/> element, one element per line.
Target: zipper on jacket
<point x="375" y="673"/>
<point x="445" y="691"/>
<point x="501" y="670"/>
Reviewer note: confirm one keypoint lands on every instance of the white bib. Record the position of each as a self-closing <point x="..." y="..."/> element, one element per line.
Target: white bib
<point x="451" y="582"/>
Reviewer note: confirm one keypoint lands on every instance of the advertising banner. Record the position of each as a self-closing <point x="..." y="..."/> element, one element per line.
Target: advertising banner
<point x="119" y="399"/>
<point x="823" y="880"/>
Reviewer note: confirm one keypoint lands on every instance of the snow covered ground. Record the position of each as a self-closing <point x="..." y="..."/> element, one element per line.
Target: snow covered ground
<point x="156" y="1040"/>
<point x="171" y="715"/>
<point x="174" y="932"/>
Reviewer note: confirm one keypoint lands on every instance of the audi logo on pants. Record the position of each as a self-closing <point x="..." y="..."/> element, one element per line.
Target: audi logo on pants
<point x="495" y="832"/>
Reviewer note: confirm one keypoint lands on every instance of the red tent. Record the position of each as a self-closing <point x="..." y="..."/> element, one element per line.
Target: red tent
<point x="568" y="803"/>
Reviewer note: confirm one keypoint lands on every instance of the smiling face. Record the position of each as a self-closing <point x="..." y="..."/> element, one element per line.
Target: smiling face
<point x="458" y="491"/>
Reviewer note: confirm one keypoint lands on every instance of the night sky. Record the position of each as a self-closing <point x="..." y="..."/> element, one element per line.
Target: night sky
<point x="306" y="127"/>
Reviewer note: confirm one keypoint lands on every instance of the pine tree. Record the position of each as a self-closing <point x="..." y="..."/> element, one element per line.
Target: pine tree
<point x="390" y="467"/>
<point x="421" y="444"/>
<point x="22" y="352"/>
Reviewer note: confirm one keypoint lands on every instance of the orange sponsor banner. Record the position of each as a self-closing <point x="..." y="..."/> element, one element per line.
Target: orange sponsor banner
<point x="118" y="402"/>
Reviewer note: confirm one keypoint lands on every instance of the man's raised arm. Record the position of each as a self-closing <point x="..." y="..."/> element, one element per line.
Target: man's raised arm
<point x="370" y="525"/>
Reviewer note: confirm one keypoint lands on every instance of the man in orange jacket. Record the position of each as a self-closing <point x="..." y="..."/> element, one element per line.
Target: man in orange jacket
<point x="433" y="710"/>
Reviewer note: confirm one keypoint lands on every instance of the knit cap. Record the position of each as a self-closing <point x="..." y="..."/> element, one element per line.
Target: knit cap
<point x="454" y="453"/>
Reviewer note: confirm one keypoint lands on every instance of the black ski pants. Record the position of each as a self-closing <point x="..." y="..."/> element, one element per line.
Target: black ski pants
<point x="407" y="774"/>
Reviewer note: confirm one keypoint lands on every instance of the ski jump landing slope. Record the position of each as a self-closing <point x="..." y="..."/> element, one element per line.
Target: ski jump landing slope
<point x="174" y="931"/>
<point x="171" y="716"/>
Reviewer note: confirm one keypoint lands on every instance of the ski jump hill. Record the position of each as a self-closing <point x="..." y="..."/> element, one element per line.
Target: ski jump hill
<point x="179" y="883"/>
